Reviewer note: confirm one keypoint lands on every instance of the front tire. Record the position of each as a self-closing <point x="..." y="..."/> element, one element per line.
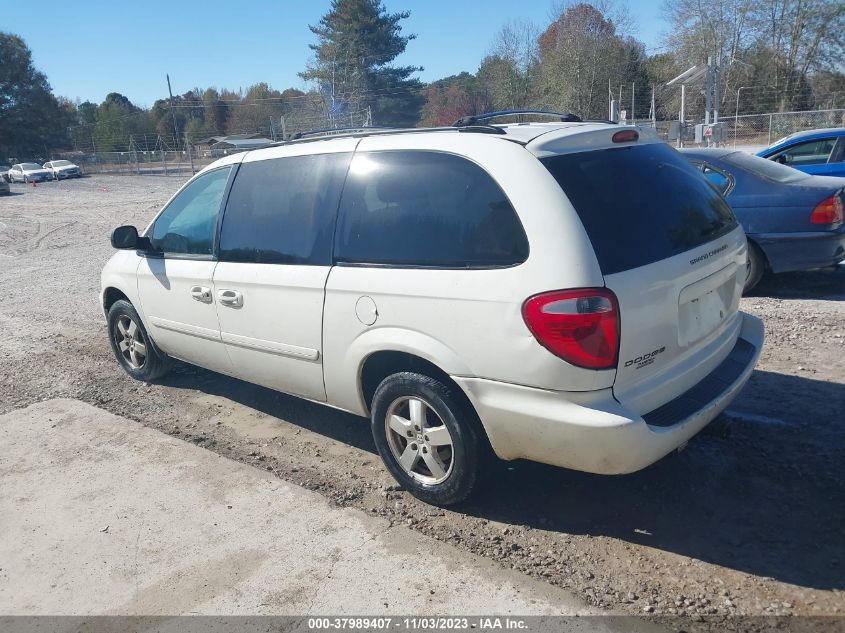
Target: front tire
<point x="132" y="346"/>
<point x="425" y="436"/>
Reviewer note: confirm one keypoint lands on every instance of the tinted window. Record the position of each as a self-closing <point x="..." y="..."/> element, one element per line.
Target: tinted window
<point x="765" y="168"/>
<point x="641" y="203"/>
<point x="807" y="153"/>
<point x="187" y="225"/>
<point x="282" y="211"/>
<point x="426" y="209"/>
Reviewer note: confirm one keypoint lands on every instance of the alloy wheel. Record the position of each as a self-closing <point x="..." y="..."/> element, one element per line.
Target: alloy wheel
<point x="130" y="341"/>
<point x="419" y="440"/>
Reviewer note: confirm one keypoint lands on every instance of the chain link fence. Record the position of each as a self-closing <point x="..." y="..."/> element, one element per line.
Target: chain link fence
<point x="152" y="163"/>
<point x="765" y="129"/>
<point x="751" y="130"/>
<point x="755" y="130"/>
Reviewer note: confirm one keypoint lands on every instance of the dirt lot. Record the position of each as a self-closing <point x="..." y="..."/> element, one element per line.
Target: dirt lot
<point x="749" y="519"/>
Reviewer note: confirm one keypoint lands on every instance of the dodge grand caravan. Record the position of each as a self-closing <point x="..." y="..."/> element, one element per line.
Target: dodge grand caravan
<point x="560" y="292"/>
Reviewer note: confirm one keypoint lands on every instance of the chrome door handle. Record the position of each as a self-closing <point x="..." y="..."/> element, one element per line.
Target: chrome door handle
<point x="231" y="298"/>
<point x="201" y="293"/>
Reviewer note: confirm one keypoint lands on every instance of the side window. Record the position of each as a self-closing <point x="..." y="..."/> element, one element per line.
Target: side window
<point x="808" y="153"/>
<point x="717" y="178"/>
<point x="186" y="226"/>
<point x="423" y="208"/>
<point x="282" y="210"/>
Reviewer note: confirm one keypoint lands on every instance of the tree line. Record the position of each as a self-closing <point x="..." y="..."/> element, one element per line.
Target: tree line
<point x="779" y="55"/>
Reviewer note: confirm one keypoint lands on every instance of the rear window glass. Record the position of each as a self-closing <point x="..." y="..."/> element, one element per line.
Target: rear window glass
<point x="423" y="208"/>
<point x="764" y="167"/>
<point x="640" y="204"/>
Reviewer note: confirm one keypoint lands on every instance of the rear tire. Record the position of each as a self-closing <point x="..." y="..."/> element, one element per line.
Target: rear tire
<point x="755" y="267"/>
<point x="132" y="346"/>
<point x="426" y="438"/>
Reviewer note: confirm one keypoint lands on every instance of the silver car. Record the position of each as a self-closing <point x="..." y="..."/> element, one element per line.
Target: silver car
<point x="63" y="169"/>
<point x="28" y="172"/>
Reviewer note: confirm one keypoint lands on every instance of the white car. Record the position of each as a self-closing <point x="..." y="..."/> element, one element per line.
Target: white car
<point x="561" y="292"/>
<point x="63" y="169"/>
<point x="28" y="172"/>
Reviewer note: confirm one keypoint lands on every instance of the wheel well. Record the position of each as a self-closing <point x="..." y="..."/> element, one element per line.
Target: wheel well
<point x="380" y="365"/>
<point x="752" y="244"/>
<point x="111" y="296"/>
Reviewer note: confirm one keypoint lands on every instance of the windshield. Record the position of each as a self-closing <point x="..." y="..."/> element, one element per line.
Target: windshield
<point x="61" y="163"/>
<point x="29" y="166"/>
<point x="763" y="167"/>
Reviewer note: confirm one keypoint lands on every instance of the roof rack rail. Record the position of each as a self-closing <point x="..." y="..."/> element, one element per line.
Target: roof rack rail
<point x="475" y="119"/>
<point x="360" y="132"/>
<point x="331" y="131"/>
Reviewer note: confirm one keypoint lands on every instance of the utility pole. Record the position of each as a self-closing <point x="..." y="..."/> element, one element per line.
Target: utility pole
<point x="633" y="119"/>
<point x="716" y="90"/>
<point x="272" y="130"/>
<point x="620" y="100"/>
<point x="173" y="112"/>
<point x="708" y="90"/>
<point x="190" y="157"/>
<point x="681" y="115"/>
<point x="736" y="116"/>
<point x="284" y="129"/>
<point x="653" y="113"/>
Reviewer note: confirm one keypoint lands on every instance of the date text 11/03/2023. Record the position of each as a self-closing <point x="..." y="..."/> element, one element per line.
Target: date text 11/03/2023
<point x="493" y="623"/>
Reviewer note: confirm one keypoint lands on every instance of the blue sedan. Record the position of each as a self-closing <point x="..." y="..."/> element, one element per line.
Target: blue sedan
<point x="817" y="152"/>
<point x="793" y="221"/>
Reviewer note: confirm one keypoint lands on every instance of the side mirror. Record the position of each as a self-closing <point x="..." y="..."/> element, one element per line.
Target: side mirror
<point x="127" y="238"/>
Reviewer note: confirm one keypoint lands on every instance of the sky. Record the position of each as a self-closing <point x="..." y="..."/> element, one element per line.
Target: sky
<point x="88" y="48"/>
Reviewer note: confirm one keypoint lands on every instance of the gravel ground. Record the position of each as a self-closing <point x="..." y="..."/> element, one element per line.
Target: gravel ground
<point x="748" y="519"/>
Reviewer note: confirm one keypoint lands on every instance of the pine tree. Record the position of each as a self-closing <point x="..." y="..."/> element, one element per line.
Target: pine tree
<point x="357" y="43"/>
<point x="32" y="121"/>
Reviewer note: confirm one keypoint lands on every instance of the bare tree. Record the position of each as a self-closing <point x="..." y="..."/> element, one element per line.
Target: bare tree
<point x="583" y="50"/>
<point x="508" y="72"/>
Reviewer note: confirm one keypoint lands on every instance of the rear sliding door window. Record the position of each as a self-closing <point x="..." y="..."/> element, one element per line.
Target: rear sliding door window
<point x="422" y="208"/>
<point x="282" y="210"/>
<point x="640" y="204"/>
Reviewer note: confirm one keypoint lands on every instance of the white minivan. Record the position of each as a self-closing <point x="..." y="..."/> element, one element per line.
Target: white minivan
<point x="561" y="292"/>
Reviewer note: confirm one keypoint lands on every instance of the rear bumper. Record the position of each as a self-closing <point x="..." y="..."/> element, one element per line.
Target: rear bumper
<point x="787" y="252"/>
<point x="592" y="431"/>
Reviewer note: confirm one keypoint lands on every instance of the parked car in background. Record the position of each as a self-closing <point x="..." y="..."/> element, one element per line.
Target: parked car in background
<point x="817" y="152"/>
<point x="4" y="172"/>
<point x="63" y="169"/>
<point x="4" y="186"/>
<point x="28" y="172"/>
<point x="464" y="290"/>
<point x="793" y="220"/>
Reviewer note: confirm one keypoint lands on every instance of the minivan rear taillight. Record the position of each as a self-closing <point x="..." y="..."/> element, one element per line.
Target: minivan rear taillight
<point x="581" y="326"/>
<point x="828" y="211"/>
